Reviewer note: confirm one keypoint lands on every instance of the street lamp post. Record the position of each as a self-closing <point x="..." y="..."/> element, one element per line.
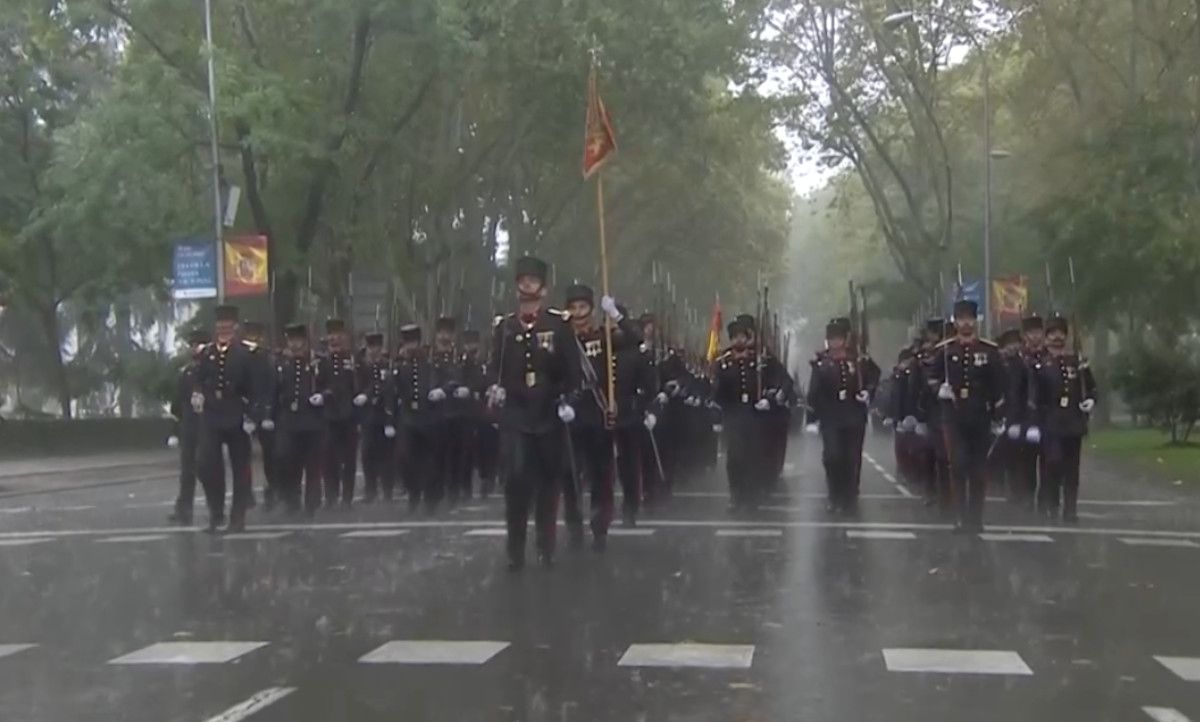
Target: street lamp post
<point x="216" y="157"/>
<point x="896" y="20"/>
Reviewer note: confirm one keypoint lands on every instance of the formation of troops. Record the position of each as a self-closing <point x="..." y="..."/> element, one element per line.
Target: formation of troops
<point x="560" y="402"/>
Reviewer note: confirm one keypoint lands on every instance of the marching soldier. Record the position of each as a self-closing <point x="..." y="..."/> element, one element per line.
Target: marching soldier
<point x="339" y="383"/>
<point x="968" y="373"/>
<point x="226" y="400"/>
<point x="898" y="410"/>
<point x="1064" y="395"/>
<point x="186" y="431"/>
<point x="653" y="355"/>
<point x="454" y="462"/>
<point x="485" y="445"/>
<point x="378" y="421"/>
<point x="1006" y="459"/>
<point x="744" y="392"/>
<point x="1029" y="457"/>
<point x="534" y="368"/>
<point x="416" y="394"/>
<point x="297" y="406"/>
<point x="839" y="393"/>
<point x="933" y="454"/>
<point x="254" y="334"/>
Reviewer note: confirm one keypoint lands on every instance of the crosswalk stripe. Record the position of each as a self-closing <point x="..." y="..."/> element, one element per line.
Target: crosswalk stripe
<point x="989" y="536"/>
<point x="1165" y="714"/>
<point x="259" y="701"/>
<point x="132" y="539"/>
<point x="189" y="653"/>
<point x="374" y="533"/>
<point x="23" y="542"/>
<point x="433" y="651"/>
<point x="1137" y="542"/>
<point x="956" y="661"/>
<point x="708" y="656"/>
<point x="879" y="534"/>
<point x="7" y="650"/>
<point x="1186" y="668"/>
<point x="750" y="533"/>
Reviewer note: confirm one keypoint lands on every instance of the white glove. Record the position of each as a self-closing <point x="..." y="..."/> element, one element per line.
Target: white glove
<point x="1014" y="432"/>
<point x="922" y="429"/>
<point x="566" y="414"/>
<point x="436" y="395"/>
<point x="360" y="400"/>
<point x="717" y="428"/>
<point x="661" y="398"/>
<point x="248" y="426"/>
<point x="650" y="421"/>
<point x="197" y="402"/>
<point x="762" y="405"/>
<point x="780" y="398"/>
<point x="609" y="305"/>
<point x="945" y="392"/>
<point x="862" y="397"/>
<point x="1087" y="405"/>
<point x="1033" y="435"/>
<point x="691" y="401"/>
<point x="908" y="423"/>
<point x="389" y="431"/>
<point x="316" y="400"/>
<point x="998" y="429"/>
<point x="812" y="429"/>
<point x="496" y="395"/>
<point x="172" y="441"/>
<point x="462" y="392"/>
<point x="889" y="423"/>
<point x="268" y="425"/>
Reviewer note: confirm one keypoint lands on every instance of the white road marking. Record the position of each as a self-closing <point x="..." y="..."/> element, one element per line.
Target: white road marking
<point x="149" y="505"/>
<point x="413" y="651"/>
<point x="888" y="475"/>
<point x="487" y="532"/>
<point x="622" y="531"/>
<point x="750" y="532"/>
<point x="1165" y="714"/>
<point x="15" y="509"/>
<point x="132" y="539"/>
<point x="255" y="535"/>
<point x="259" y="701"/>
<point x="707" y="656"/>
<point x="956" y="661"/>
<point x="23" y="542"/>
<point x="879" y="534"/>
<point x="1135" y="542"/>
<point x="1186" y="668"/>
<point x="189" y="653"/>
<point x="79" y="507"/>
<point x="7" y="650"/>
<point x="990" y="536"/>
<point x="374" y="533"/>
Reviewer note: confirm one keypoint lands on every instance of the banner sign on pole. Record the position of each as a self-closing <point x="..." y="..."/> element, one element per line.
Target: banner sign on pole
<point x="194" y="269"/>
<point x="1010" y="299"/>
<point x="246" y="266"/>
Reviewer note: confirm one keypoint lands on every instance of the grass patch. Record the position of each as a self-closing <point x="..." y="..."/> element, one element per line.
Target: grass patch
<point x="1148" y="448"/>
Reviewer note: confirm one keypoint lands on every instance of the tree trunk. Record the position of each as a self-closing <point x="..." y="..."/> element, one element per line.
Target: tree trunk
<point x="54" y="346"/>
<point x="123" y="343"/>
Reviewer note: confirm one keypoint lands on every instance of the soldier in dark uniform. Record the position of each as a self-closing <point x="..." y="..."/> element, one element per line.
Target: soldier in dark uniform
<point x="453" y="406"/>
<point x="186" y="431"/>
<point x="297" y="407"/>
<point x="226" y="399"/>
<point x="899" y="415"/>
<point x="1064" y="395"/>
<point x="743" y="400"/>
<point x="378" y="420"/>
<point x="653" y="350"/>
<point x="1006" y="458"/>
<point x="534" y="362"/>
<point x="339" y="384"/>
<point x="254" y="334"/>
<point x="485" y="447"/>
<point x="931" y="441"/>
<point x="970" y="397"/>
<point x="418" y="423"/>
<point x="1029" y="456"/>
<point x="839" y="393"/>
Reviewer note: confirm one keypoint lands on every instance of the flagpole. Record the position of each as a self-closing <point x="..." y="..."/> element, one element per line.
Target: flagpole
<point x="604" y="289"/>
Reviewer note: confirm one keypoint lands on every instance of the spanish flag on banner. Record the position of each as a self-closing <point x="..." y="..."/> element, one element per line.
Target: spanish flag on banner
<point x="1010" y="298"/>
<point x="246" y="266"/>
<point x="714" y="332"/>
<point x="599" y="141"/>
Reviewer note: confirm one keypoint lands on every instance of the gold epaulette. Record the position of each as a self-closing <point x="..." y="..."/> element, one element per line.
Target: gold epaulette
<point x="564" y="315"/>
<point x="250" y="345"/>
<point x="946" y="342"/>
<point x="987" y="342"/>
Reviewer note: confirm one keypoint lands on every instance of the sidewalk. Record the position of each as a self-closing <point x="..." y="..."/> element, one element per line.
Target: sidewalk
<point x="76" y="464"/>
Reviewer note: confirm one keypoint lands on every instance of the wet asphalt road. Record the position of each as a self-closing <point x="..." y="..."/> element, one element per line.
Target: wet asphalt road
<point x="367" y="615"/>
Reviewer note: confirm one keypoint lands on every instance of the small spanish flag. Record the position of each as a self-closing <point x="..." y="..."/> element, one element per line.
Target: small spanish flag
<point x="599" y="141"/>
<point x="246" y="266"/>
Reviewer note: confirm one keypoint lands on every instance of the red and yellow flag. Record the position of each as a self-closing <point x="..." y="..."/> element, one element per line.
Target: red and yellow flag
<point x="714" y="332"/>
<point x="599" y="141"/>
<point x="246" y="266"/>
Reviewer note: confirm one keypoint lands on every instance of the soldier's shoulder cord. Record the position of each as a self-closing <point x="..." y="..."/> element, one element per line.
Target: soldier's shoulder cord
<point x="988" y="342"/>
<point x="945" y="343"/>
<point x="559" y="313"/>
<point x="250" y="346"/>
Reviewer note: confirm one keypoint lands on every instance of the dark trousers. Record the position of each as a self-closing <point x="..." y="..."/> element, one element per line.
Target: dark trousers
<point x="970" y="442"/>
<point x="266" y="442"/>
<point x="743" y="457"/>
<point x="188" y="457"/>
<point x="212" y="471"/>
<point x="1061" y="478"/>
<point x="1027" y="464"/>
<point x="779" y="422"/>
<point x="300" y="464"/>
<point x="533" y="467"/>
<point x="341" y="461"/>
<point x="419" y="456"/>
<point x="378" y="461"/>
<point x="629" y="441"/>
<point x="593" y="449"/>
<point x="841" y="454"/>
<point x="487" y="456"/>
<point x="457" y="459"/>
